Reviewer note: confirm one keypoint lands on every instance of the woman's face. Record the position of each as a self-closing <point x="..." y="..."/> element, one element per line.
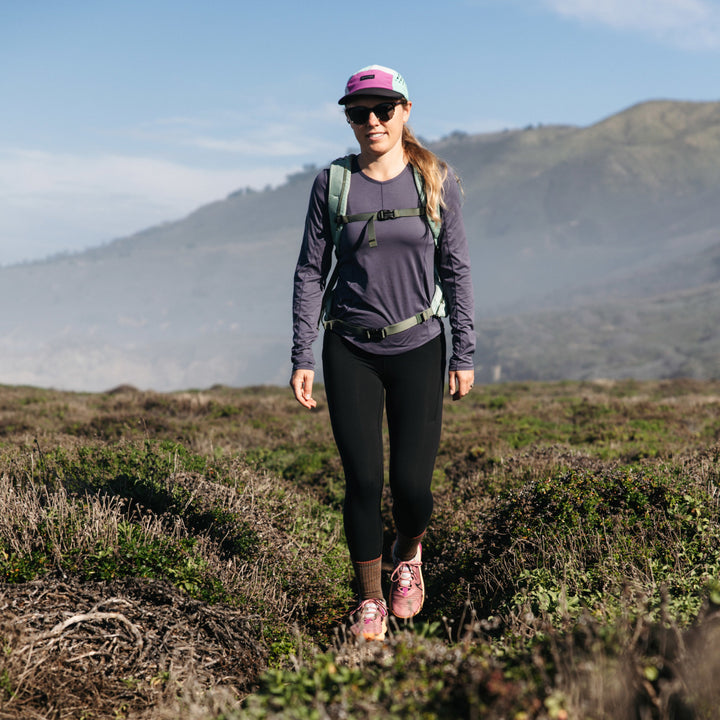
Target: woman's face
<point x="375" y="136"/>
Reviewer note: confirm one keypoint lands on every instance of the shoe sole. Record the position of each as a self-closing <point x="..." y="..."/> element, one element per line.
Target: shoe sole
<point x="370" y="637"/>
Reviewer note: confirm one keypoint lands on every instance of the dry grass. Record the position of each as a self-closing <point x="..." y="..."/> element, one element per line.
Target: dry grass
<point x="89" y="650"/>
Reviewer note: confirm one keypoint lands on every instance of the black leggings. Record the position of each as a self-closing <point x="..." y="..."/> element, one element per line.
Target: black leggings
<point x="410" y="385"/>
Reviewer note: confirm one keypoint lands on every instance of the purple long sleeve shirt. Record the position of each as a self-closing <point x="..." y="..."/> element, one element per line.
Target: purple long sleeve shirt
<point x="378" y="286"/>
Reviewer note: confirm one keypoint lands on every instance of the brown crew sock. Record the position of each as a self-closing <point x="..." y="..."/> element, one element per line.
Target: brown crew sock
<point x="369" y="579"/>
<point x="405" y="548"/>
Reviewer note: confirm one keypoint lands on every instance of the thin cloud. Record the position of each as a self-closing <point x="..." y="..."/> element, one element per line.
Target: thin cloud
<point x="691" y="24"/>
<point x="267" y="130"/>
<point x="270" y="144"/>
<point x="314" y="132"/>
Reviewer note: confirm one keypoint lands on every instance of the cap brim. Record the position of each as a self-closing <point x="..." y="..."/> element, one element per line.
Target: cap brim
<point x="371" y="92"/>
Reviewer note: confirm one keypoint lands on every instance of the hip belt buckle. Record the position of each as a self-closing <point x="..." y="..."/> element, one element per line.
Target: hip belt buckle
<point x="375" y="335"/>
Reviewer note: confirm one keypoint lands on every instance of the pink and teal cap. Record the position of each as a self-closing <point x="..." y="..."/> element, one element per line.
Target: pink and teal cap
<point x="375" y="80"/>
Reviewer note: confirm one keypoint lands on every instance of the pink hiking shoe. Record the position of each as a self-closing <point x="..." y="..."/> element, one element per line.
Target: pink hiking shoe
<point x="369" y="620"/>
<point x="407" y="591"/>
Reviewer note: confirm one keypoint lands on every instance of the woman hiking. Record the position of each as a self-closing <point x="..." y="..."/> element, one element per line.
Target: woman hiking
<point x="384" y="343"/>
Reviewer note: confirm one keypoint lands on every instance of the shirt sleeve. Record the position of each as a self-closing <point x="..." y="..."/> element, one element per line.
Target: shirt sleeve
<point x="454" y="271"/>
<point x="311" y="273"/>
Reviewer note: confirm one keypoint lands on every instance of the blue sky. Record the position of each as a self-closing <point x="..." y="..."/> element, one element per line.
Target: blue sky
<point x="116" y="115"/>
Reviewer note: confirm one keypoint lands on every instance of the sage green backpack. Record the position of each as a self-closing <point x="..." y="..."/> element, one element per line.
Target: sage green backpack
<point x="338" y="190"/>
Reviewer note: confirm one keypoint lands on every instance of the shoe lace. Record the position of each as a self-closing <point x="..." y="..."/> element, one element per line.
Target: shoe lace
<point x="404" y="573"/>
<point x="369" y="609"/>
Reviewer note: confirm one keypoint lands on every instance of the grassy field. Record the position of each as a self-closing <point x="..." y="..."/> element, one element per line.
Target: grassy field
<point x="181" y="556"/>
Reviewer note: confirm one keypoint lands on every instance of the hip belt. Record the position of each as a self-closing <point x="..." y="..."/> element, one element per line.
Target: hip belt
<point x="376" y="334"/>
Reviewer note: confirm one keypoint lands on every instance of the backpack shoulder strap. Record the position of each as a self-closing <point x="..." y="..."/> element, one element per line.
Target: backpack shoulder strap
<point x="437" y="304"/>
<point x="338" y="189"/>
<point x="420" y="185"/>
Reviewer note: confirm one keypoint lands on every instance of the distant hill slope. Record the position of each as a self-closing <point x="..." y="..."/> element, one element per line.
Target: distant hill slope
<point x="672" y="335"/>
<point x="566" y="225"/>
<point x="551" y="208"/>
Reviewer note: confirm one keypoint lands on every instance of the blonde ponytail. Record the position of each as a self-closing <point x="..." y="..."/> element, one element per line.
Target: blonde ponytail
<point x="433" y="170"/>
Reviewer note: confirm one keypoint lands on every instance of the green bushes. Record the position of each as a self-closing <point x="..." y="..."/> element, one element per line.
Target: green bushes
<point x="587" y="540"/>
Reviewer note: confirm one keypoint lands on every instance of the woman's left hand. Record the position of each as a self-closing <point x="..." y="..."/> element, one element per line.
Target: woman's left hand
<point x="460" y="383"/>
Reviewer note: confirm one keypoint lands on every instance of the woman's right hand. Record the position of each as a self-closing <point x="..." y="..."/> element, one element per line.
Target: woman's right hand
<point x="301" y="383"/>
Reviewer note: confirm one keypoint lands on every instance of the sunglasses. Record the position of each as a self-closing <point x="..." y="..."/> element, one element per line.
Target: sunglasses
<point x="360" y="114"/>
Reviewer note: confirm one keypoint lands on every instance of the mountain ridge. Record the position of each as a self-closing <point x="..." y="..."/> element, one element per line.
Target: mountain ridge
<point x="558" y="218"/>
